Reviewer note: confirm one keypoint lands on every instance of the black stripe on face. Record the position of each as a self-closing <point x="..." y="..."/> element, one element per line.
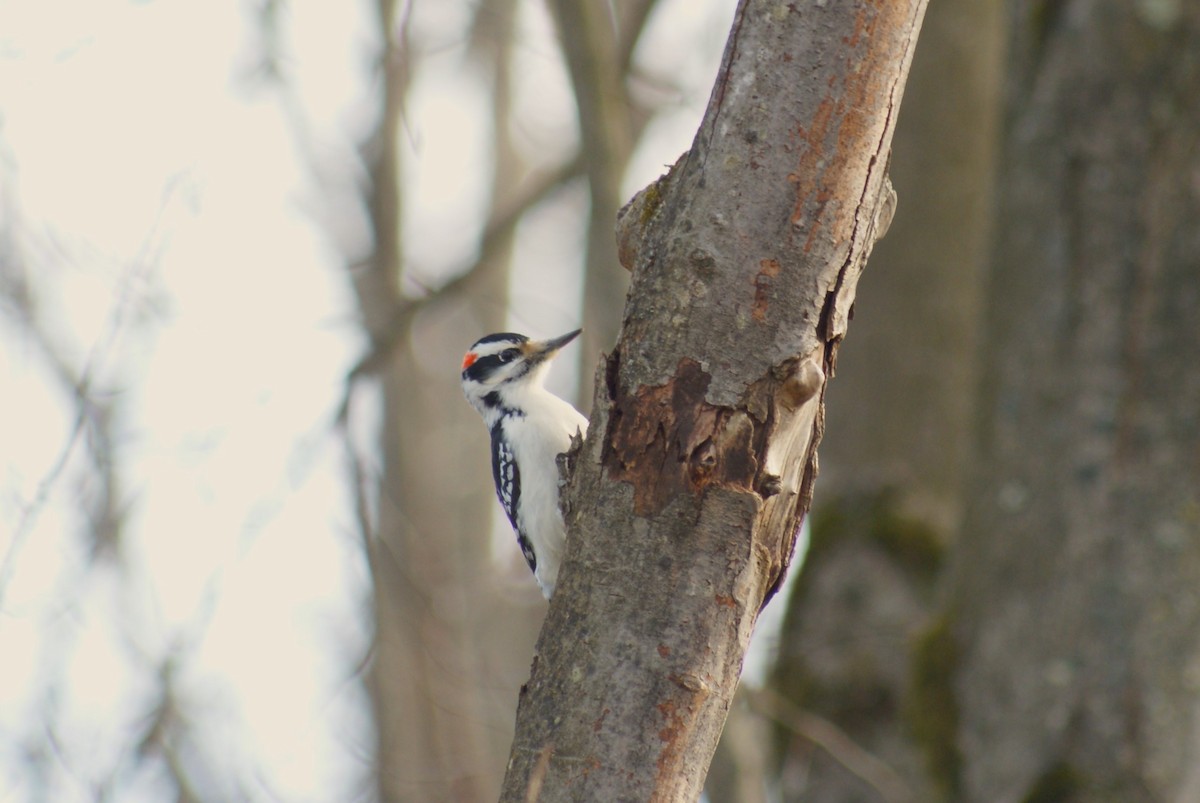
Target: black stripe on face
<point x="485" y="366"/>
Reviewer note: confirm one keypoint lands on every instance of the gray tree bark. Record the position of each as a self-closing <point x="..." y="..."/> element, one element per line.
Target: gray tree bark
<point x="702" y="449"/>
<point x="1077" y="618"/>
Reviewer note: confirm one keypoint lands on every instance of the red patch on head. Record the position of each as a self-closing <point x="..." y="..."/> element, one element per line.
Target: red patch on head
<point x="469" y="360"/>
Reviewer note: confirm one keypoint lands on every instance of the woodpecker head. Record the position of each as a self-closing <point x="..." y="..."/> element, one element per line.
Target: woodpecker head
<point x="498" y="368"/>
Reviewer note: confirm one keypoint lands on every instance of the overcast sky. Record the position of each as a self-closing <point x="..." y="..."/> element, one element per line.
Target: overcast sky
<point x="154" y="197"/>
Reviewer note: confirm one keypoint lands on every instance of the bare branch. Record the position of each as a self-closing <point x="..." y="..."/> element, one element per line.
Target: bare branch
<point x="594" y="58"/>
<point x="93" y="417"/>
<point x="498" y="230"/>
<point x="632" y="16"/>
<point x="876" y="773"/>
<point x="34" y="506"/>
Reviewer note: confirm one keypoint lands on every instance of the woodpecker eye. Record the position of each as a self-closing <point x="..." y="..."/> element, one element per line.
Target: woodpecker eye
<point x="508" y="355"/>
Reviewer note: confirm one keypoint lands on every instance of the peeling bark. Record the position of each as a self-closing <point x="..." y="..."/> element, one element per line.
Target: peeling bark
<point x="701" y="454"/>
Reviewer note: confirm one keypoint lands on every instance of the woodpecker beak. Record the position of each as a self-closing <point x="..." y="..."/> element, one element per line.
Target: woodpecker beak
<point x="538" y="351"/>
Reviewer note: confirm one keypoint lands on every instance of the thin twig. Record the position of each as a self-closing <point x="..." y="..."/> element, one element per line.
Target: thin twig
<point x="79" y="384"/>
<point x="31" y="510"/>
<point x="502" y="225"/>
<point x="872" y="770"/>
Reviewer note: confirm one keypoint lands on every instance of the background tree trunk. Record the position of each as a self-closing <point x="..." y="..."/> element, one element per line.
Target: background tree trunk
<point x="1077" y="604"/>
<point x="441" y="735"/>
<point x="593" y="52"/>
<point x="701" y="455"/>
<point x="452" y="644"/>
<point x="897" y="437"/>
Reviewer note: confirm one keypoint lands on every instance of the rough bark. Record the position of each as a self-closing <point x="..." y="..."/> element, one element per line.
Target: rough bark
<point x="1078" y="600"/>
<point x="702" y="449"/>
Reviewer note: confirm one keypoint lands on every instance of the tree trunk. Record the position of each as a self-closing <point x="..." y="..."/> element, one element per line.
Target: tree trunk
<point x="594" y="57"/>
<point x="701" y="456"/>
<point x="1078" y="599"/>
<point x="439" y="736"/>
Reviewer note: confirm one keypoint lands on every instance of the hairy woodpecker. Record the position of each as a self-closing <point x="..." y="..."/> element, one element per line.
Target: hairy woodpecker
<point x="502" y="377"/>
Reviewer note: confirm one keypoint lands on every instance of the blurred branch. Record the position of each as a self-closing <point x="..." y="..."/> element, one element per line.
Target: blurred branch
<point x="376" y="185"/>
<point x="834" y="741"/>
<point x="358" y="475"/>
<point x="632" y="16"/>
<point x="94" y="418"/>
<point x="497" y="232"/>
<point x="376" y="282"/>
<point x="595" y="60"/>
<point x="598" y="51"/>
<point x="32" y="508"/>
<point x="158" y="737"/>
<point x="504" y="222"/>
<point x="386" y="310"/>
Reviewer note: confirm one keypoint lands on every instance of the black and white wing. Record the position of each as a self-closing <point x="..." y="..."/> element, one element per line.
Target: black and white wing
<point x="507" y="477"/>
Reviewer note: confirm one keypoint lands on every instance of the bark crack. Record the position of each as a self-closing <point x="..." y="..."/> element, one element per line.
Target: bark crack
<point x="731" y="54"/>
<point x="833" y="319"/>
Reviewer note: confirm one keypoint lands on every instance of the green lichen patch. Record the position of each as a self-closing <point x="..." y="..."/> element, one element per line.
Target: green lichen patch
<point x="877" y="517"/>
<point x="932" y="708"/>
<point x="1060" y="783"/>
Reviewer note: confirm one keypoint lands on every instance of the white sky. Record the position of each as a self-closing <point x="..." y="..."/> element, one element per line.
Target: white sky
<point x="139" y="161"/>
